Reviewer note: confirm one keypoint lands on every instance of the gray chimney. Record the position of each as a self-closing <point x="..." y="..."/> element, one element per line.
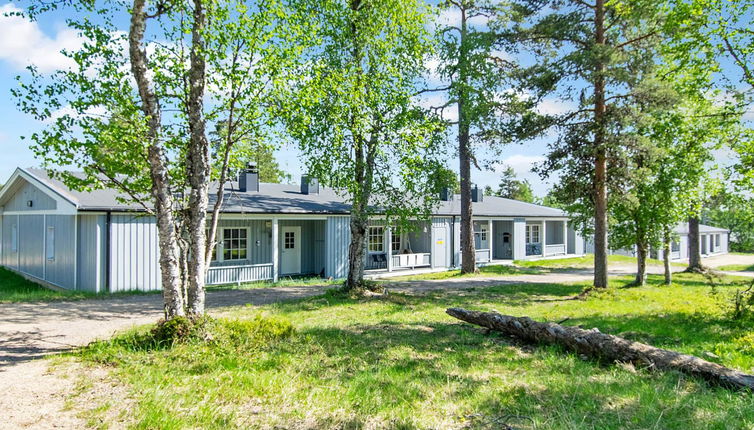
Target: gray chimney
<point x="248" y="180"/>
<point x="309" y="185"/>
<point x="446" y="195"/>
<point x="477" y="194"/>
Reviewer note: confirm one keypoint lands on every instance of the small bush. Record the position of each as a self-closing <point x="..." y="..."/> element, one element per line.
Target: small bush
<point x="182" y="329"/>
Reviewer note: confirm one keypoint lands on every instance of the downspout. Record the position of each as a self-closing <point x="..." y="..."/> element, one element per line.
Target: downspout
<point x="453" y="242"/>
<point x="108" y="232"/>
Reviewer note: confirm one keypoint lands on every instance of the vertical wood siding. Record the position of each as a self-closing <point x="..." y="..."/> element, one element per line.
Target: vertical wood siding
<point x="31" y="245"/>
<point x="133" y="254"/>
<point x="92" y="236"/>
<point x="9" y="257"/>
<point x="61" y="270"/>
<point x="338" y="237"/>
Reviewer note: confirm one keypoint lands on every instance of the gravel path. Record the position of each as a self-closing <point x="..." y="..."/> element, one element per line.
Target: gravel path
<point x="32" y="396"/>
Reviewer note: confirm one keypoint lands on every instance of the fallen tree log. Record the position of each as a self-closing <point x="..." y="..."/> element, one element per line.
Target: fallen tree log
<point x="602" y="346"/>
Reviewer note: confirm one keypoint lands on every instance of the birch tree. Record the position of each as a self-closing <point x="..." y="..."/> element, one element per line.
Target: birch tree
<point x="132" y="114"/>
<point x="355" y="117"/>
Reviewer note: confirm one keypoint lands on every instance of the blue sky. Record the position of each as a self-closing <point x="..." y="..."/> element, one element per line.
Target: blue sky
<point x="23" y="42"/>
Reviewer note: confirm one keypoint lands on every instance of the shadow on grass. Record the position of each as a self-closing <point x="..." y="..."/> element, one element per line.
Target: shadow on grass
<point x="493" y="380"/>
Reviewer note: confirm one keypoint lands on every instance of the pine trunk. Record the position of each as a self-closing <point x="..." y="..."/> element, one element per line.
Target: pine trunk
<point x="158" y="170"/>
<point x="606" y="347"/>
<point x="600" y="162"/>
<point x="695" y="249"/>
<point x="468" y="249"/>
<point x="198" y="165"/>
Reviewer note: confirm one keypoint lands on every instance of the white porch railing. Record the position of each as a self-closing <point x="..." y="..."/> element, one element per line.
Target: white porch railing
<point x="237" y="274"/>
<point x="412" y="260"/>
<point x="483" y="255"/>
<point x="556" y="249"/>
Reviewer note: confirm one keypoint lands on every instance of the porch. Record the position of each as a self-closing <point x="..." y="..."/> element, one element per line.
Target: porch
<point x="546" y="238"/>
<point x="393" y="249"/>
<point x="254" y="249"/>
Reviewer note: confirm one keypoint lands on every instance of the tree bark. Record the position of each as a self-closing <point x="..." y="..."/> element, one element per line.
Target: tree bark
<point x="641" y="263"/>
<point x="606" y="347"/>
<point x="600" y="161"/>
<point x="695" y="251"/>
<point x="198" y="164"/>
<point x="666" y="256"/>
<point x="158" y="170"/>
<point x="468" y="251"/>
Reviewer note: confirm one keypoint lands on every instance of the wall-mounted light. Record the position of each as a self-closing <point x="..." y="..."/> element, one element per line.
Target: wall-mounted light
<point x="268" y="224"/>
<point x="29" y="203"/>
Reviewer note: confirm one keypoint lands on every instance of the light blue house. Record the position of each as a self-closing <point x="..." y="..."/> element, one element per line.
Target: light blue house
<point x="90" y="241"/>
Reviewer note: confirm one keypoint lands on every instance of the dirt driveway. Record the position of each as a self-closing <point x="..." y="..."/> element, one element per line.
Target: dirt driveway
<point x="32" y="396"/>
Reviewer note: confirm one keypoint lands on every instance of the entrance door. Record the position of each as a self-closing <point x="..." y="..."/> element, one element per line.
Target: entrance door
<point x="439" y="248"/>
<point x="290" y="251"/>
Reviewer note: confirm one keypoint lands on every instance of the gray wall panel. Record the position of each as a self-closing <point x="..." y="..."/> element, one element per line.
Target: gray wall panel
<point x="24" y="193"/>
<point x="92" y="235"/>
<point x="9" y="256"/>
<point x="61" y="270"/>
<point x="31" y="244"/>
<point x="134" y="254"/>
<point x="338" y="237"/>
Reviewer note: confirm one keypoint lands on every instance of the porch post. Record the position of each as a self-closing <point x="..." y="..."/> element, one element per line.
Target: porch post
<point x="389" y="232"/>
<point x="565" y="238"/>
<point x="491" y="241"/>
<point x="275" y="256"/>
<point x="543" y="239"/>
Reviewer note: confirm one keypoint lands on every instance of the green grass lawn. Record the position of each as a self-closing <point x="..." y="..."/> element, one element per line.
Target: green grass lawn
<point x="492" y="270"/>
<point x="736" y="268"/>
<point x="298" y="281"/>
<point x="585" y="262"/>
<point x="400" y="362"/>
<point x="15" y="288"/>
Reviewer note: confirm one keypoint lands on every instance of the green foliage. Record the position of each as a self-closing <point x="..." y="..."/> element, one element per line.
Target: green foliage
<point x="734" y="212"/>
<point x="350" y="105"/>
<point x="400" y="360"/>
<point x="92" y="113"/>
<point x="511" y="187"/>
<point x="246" y="150"/>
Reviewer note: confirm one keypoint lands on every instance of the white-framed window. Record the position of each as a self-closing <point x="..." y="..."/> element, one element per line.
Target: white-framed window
<point x="14" y="238"/>
<point x="483" y="234"/>
<point x="235" y="244"/>
<point x="717" y="240"/>
<point x="532" y="233"/>
<point x="675" y="246"/>
<point x="395" y="242"/>
<point x="289" y="240"/>
<point x="50" y="243"/>
<point x="375" y="238"/>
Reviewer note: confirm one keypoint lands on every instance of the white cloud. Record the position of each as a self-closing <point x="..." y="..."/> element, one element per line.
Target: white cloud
<point x="453" y="17"/>
<point x="98" y="111"/>
<point x="555" y="106"/>
<point x="521" y="164"/>
<point x="24" y="43"/>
